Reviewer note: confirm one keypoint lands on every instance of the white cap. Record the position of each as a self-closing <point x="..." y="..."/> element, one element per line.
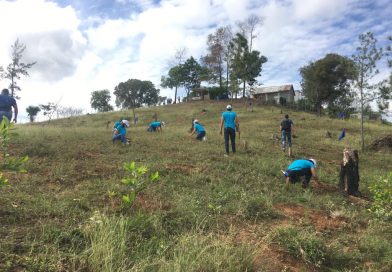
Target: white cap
<point x="163" y="123"/>
<point x="125" y="122"/>
<point x="314" y="162"/>
<point x="228" y="107"/>
<point x="196" y="121"/>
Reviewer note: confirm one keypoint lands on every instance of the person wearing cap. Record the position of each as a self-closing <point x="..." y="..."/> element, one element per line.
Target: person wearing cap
<point x="6" y="104"/>
<point x="305" y="169"/>
<point x="121" y="132"/>
<point x="155" y="126"/>
<point x="285" y="127"/>
<point x="117" y="123"/>
<point x="229" y="121"/>
<point x="199" y="129"/>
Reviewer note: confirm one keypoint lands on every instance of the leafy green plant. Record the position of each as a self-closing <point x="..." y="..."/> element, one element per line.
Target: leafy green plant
<point x="382" y="195"/>
<point x="8" y="162"/>
<point x="137" y="180"/>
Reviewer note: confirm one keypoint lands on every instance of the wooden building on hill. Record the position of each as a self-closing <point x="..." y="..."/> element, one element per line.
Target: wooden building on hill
<point x="200" y="94"/>
<point x="274" y="93"/>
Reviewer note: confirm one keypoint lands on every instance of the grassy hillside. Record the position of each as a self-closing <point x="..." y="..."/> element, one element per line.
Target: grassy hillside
<point x="207" y="213"/>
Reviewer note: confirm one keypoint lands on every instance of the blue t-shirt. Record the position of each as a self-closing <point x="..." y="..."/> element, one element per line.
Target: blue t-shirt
<point x="199" y="128"/>
<point x="155" y="124"/>
<point x="229" y="119"/>
<point x="121" y="130"/>
<point x="116" y="124"/>
<point x="300" y="165"/>
<point x="6" y="102"/>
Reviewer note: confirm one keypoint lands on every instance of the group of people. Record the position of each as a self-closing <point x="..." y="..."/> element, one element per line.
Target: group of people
<point x="303" y="169"/>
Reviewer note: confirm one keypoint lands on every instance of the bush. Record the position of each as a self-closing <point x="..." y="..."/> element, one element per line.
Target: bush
<point x="382" y="196"/>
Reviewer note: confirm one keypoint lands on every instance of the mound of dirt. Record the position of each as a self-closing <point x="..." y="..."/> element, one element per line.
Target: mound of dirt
<point x="382" y="144"/>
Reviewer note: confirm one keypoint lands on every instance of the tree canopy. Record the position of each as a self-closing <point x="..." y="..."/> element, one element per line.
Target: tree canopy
<point x="134" y="93"/>
<point x="327" y="81"/>
<point x="100" y="101"/>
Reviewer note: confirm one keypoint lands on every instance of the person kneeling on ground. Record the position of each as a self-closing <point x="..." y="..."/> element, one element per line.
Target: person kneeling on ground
<point x="305" y="169"/>
<point x="201" y="132"/>
<point x="120" y="132"/>
<point x="155" y="126"/>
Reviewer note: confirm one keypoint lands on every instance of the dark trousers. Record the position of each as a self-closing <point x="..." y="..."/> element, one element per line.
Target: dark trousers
<point x="229" y="133"/>
<point x="296" y="176"/>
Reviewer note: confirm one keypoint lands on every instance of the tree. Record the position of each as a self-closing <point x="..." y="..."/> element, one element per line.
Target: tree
<point x="245" y="65"/>
<point x="16" y="68"/>
<point x="366" y="59"/>
<point x="248" y="28"/>
<point x="173" y="80"/>
<point x="327" y="81"/>
<point x="385" y="91"/>
<point x="217" y="46"/>
<point x="134" y="93"/>
<point x="48" y="109"/>
<point x="193" y="74"/>
<point x="32" y="111"/>
<point x="100" y="101"/>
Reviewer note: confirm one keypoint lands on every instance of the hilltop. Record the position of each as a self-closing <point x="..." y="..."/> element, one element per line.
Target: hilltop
<point x="206" y="213"/>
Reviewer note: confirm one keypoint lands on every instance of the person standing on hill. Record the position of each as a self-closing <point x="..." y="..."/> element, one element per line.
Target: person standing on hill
<point x="6" y="104"/>
<point x="155" y="126"/>
<point x="305" y="169"/>
<point x="229" y="121"/>
<point x="286" y="126"/>
<point x="201" y="132"/>
<point x="121" y="132"/>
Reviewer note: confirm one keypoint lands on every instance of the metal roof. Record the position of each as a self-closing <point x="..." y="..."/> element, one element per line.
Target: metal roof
<point x="274" y="89"/>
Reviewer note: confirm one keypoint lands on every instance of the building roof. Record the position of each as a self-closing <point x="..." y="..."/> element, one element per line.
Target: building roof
<point x="274" y="89"/>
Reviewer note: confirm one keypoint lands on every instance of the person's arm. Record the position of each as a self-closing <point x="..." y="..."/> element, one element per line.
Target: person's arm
<point x="15" y="112"/>
<point x="221" y="125"/>
<point x="314" y="175"/>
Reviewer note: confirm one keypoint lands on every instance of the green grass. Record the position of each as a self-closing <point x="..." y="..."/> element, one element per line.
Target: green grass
<point x="207" y="212"/>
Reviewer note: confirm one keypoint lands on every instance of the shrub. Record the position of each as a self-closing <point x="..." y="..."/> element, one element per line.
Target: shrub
<point x="382" y="195"/>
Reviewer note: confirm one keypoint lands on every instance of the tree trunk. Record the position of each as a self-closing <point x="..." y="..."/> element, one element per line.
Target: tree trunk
<point x="362" y="132"/>
<point x="175" y="95"/>
<point x="349" y="172"/>
<point x="243" y="90"/>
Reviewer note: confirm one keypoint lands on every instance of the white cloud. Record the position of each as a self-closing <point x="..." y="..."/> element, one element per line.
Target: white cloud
<point x="79" y="55"/>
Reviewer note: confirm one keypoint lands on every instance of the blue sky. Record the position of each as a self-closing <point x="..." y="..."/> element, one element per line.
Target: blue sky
<point x="81" y="46"/>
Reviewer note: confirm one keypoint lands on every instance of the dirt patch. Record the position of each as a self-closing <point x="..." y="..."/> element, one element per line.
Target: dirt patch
<point x="321" y="220"/>
<point x="272" y="259"/>
<point x="382" y="144"/>
<point x="149" y="204"/>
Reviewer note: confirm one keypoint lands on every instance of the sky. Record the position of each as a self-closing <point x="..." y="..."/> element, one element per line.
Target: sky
<point x="81" y="46"/>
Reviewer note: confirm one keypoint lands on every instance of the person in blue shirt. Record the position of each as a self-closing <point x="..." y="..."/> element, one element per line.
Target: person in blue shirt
<point x="229" y="122"/>
<point x="286" y="126"/>
<point x="6" y="104"/>
<point x="117" y="123"/>
<point x="155" y="126"/>
<point x="121" y="132"/>
<point x="305" y="169"/>
<point x="199" y="129"/>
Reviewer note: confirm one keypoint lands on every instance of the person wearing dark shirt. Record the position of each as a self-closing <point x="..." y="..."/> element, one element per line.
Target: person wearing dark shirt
<point x="6" y="104"/>
<point x="286" y="126"/>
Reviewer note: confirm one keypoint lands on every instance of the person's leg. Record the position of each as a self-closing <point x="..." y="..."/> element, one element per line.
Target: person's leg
<point x="226" y="140"/>
<point x="283" y="140"/>
<point x="200" y="136"/>
<point x="288" y="134"/>
<point x="232" y="139"/>
<point x="115" y="137"/>
<point x="307" y="176"/>
<point x="123" y="139"/>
